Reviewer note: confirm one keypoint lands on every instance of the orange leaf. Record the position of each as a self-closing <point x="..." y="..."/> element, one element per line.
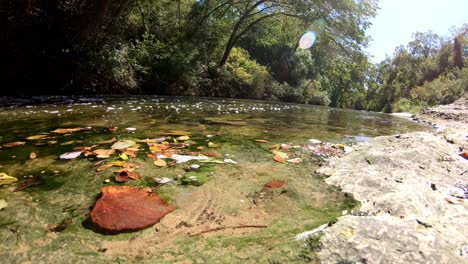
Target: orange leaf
<point x="130" y="153"/>
<point x="151" y="156"/>
<point x="278" y="159"/>
<point x="210" y="154"/>
<point x="132" y="175"/>
<point x="68" y="130"/>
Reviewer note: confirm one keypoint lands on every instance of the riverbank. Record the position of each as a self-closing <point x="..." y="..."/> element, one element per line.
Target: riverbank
<point x="404" y="183"/>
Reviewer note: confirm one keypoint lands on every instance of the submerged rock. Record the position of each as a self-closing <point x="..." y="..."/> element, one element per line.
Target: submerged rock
<point x="125" y="208"/>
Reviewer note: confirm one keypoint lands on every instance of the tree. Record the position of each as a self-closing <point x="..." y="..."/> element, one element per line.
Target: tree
<point x="346" y="20"/>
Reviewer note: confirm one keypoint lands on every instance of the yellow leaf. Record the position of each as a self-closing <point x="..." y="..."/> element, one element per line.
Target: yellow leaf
<point x="6" y="179"/>
<point x="280" y="154"/>
<point x="123" y="156"/>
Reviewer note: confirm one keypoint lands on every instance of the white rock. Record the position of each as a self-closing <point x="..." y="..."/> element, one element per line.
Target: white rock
<point x="314" y="141"/>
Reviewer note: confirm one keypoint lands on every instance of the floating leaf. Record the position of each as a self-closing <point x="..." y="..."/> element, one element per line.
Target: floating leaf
<point x="32" y="155"/>
<point x="6" y="179"/>
<point x="103" y="153"/>
<point x="279" y="159"/>
<point x="160" y="163"/>
<point x="183" y="138"/>
<point x="13" y="144"/>
<point x="261" y="141"/>
<point x="69" y="130"/>
<point x="71" y="155"/>
<point x="104" y="167"/>
<point x="123" y="144"/>
<point x="125" y="208"/>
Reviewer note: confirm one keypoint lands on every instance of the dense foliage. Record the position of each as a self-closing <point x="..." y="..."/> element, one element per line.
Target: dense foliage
<point x="223" y="48"/>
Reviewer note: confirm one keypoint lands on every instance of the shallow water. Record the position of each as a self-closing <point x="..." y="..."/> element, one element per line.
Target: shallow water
<point x="233" y="195"/>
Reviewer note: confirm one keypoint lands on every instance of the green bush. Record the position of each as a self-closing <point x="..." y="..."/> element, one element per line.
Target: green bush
<point x="408" y="106"/>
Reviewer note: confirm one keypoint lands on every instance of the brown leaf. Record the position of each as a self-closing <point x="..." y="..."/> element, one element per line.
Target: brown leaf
<point x="110" y="141"/>
<point x="28" y="183"/>
<point x="200" y="147"/>
<point x="13" y="144"/>
<point x="125" y="208"/>
<point x="278" y="159"/>
<point x="274" y="184"/>
<point x="128" y="152"/>
<point x="103" y="167"/>
<point x="68" y="130"/>
<point x="122" y="177"/>
<point x="210" y="154"/>
<point x="103" y="153"/>
<point x="261" y="140"/>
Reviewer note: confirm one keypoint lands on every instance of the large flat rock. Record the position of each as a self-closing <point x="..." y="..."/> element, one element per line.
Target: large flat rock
<point x="399" y="181"/>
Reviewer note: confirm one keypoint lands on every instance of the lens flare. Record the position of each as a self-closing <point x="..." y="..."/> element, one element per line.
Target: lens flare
<point x="307" y="40"/>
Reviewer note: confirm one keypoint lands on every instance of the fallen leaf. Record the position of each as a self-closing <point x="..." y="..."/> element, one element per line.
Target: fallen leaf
<point x="82" y="148"/>
<point x="295" y="160"/>
<point x="279" y="159"/>
<point x="103" y="153"/>
<point x="200" y="147"/>
<point x="160" y="163"/>
<point x="280" y="154"/>
<point x="71" y="155"/>
<point x="128" y="152"/>
<point x="132" y="175"/>
<point x="151" y="155"/>
<point x="276" y="146"/>
<point x="68" y="143"/>
<point x="7" y="179"/>
<point x="210" y="154"/>
<point x="261" y="141"/>
<point x="28" y="183"/>
<point x="123" y="144"/>
<point x="13" y="144"/>
<point x="32" y="155"/>
<point x="125" y="208"/>
<point x="122" y="177"/>
<point x="112" y="140"/>
<point x="112" y="129"/>
<point x="68" y="130"/>
<point x="176" y="133"/>
<point x="274" y="184"/>
<point x="183" y="138"/>
<point x="123" y="156"/>
<point x="464" y="154"/>
<point x="212" y="145"/>
<point x="39" y="137"/>
<point x="130" y="129"/>
<point x="3" y="204"/>
<point x="117" y="163"/>
<point x="104" y="167"/>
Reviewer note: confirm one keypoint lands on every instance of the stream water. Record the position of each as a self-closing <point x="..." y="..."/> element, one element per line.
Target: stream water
<point x="48" y="221"/>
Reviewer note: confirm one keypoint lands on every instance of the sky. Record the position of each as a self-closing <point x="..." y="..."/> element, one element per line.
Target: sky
<point x="397" y="20"/>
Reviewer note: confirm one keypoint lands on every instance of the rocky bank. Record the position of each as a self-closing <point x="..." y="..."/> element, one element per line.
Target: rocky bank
<point x="404" y="184"/>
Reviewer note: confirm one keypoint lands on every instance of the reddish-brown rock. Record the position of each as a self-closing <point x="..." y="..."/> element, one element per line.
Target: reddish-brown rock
<point x="274" y="184"/>
<point x="125" y="208"/>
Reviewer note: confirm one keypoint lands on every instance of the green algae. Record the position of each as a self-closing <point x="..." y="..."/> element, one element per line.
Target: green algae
<point x="49" y="221"/>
